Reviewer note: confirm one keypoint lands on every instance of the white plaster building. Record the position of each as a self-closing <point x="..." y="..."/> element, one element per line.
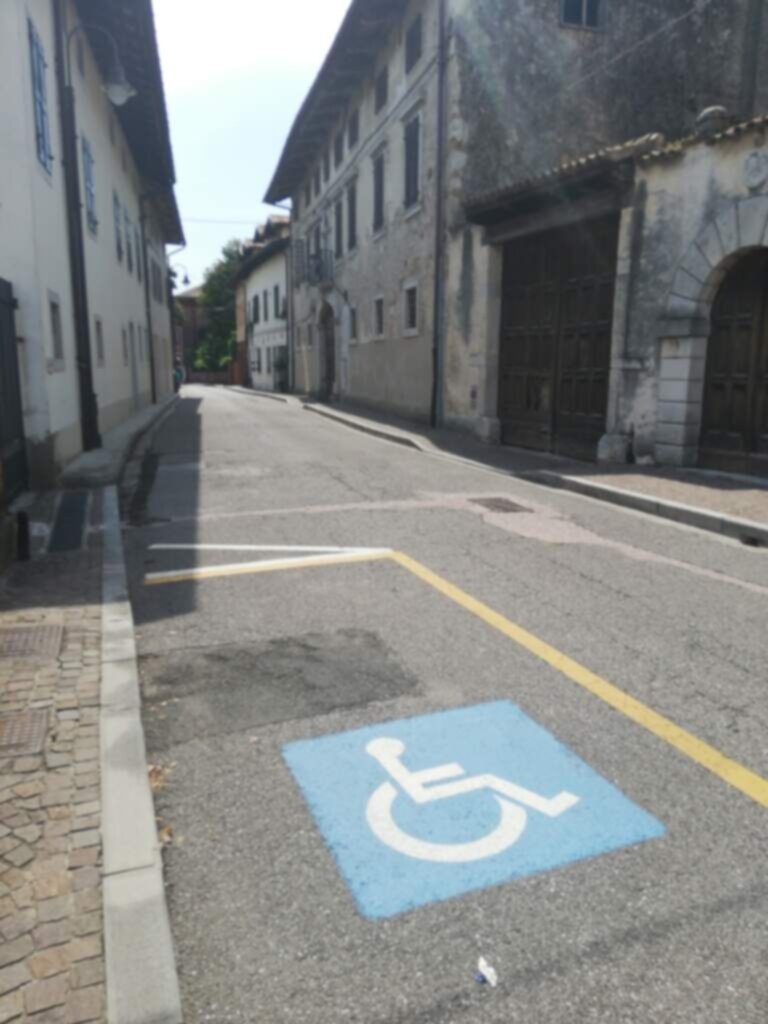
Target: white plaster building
<point x="263" y="286"/>
<point x="84" y="301"/>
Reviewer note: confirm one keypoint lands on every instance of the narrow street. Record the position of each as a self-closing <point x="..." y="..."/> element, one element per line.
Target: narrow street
<point x="406" y="713"/>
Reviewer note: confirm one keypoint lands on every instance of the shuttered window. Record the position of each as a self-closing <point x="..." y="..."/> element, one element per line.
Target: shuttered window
<point x="352" y="217"/>
<point x="378" y="192"/>
<point x="40" y="98"/>
<point x="89" y="187"/>
<point x="338" y="216"/>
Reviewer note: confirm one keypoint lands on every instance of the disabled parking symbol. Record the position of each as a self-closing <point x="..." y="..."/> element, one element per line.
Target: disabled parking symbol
<point x="428" y="808"/>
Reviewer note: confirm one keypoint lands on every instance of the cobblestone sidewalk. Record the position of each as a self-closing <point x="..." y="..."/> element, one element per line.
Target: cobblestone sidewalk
<point x="51" y="954"/>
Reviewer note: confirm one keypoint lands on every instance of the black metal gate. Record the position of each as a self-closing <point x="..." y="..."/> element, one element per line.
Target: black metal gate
<point x="12" y="451"/>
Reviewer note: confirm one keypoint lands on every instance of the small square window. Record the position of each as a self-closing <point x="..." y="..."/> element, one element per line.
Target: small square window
<point x="582" y="13"/>
<point x="353" y="128"/>
<point x="378" y="318"/>
<point x="381" y="93"/>
<point x="413" y="44"/>
<point x="411" y="310"/>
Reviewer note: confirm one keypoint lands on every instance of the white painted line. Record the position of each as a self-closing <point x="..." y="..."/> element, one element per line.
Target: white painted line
<point x="237" y="568"/>
<point x="317" y="548"/>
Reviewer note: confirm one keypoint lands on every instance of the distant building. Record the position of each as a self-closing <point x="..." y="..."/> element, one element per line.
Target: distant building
<point x="87" y="207"/>
<point x="477" y="241"/>
<point x="263" y="299"/>
<point x="192" y="323"/>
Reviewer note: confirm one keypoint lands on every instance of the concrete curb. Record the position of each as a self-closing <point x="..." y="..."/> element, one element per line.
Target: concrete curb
<point x="104" y="467"/>
<point x="745" y="530"/>
<point x="396" y="437"/>
<point x="259" y="394"/>
<point x="142" y="983"/>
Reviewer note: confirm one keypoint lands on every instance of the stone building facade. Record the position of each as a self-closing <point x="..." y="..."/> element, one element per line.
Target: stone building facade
<point x="540" y="248"/>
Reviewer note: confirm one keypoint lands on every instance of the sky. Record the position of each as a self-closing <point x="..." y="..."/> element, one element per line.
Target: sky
<point x="235" y="73"/>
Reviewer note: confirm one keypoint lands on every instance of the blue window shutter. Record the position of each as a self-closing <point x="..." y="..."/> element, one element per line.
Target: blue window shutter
<point x="42" y="127"/>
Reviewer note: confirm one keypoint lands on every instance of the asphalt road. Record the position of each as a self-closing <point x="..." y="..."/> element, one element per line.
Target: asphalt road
<point x="316" y="882"/>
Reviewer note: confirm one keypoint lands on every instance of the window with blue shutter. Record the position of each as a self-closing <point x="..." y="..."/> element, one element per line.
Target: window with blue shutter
<point x="42" y="125"/>
<point x="128" y="243"/>
<point x="90" y="187"/>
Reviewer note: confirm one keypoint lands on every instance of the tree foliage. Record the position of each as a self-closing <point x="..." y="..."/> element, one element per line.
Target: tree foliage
<point x="218" y="301"/>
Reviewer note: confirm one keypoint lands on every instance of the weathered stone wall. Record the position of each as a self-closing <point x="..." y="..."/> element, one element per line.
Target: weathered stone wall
<point x="701" y="210"/>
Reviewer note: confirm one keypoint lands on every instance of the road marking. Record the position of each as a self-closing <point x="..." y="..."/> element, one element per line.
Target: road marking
<point x="319" y="549"/>
<point x="427" y="808"/>
<point x="253" y="568"/>
<point x="735" y="774"/>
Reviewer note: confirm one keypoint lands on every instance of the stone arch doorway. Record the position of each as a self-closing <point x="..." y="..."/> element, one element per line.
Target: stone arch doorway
<point x="327" y="323"/>
<point x="734" y="427"/>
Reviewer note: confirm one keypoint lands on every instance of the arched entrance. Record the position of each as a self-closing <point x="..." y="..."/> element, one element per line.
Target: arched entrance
<point x="328" y="365"/>
<point x="734" y="431"/>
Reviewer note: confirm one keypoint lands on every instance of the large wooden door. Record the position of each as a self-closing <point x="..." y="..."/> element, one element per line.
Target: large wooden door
<point x="12" y="447"/>
<point x="557" y="314"/>
<point x="734" y="435"/>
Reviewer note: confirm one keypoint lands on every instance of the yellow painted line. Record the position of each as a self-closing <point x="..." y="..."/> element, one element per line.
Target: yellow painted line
<point x="253" y="568"/>
<point x="735" y="774"/>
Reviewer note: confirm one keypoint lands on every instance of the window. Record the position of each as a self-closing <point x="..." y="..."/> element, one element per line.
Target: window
<point x="89" y="187"/>
<point x="269" y="359"/>
<point x="381" y="90"/>
<point x="378" y="318"/>
<point x="265" y="300"/>
<point x="316" y="239"/>
<point x="412" y="160"/>
<point x="326" y="166"/>
<point x="99" y="334"/>
<point x="118" y="226"/>
<point x="276" y="300"/>
<point x="411" y="310"/>
<point x="352" y="217"/>
<point x="139" y="255"/>
<point x="317" y="181"/>
<point x="141" y="344"/>
<point x="584" y="13"/>
<point x="353" y="324"/>
<point x="57" y="338"/>
<point x="40" y="97"/>
<point x="353" y="129"/>
<point x="338" y="216"/>
<point x="413" y="44"/>
<point x="258" y="360"/>
<point x="128" y="243"/>
<point x="338" y="150"/>
<point x="132" y="335"/>
<point x="378" y="192"/>
<point x="125" y="347"/>
<point x="255" y="309"/>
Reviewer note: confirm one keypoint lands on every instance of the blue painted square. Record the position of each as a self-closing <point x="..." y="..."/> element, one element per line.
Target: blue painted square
<point x="402" y="838"/>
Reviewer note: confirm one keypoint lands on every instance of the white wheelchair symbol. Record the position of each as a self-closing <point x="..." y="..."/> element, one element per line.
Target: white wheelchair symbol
<point x="419" y="786"/>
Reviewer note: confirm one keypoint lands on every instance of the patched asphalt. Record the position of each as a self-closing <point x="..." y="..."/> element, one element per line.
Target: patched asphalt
<point x="266" y="928"/>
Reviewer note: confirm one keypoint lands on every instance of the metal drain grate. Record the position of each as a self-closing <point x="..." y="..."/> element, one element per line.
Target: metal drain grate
<point x="23" y="734"/>
<point x="31" y="641"/>
<point x="69" y="527"/>
<point x="499" y="505"/>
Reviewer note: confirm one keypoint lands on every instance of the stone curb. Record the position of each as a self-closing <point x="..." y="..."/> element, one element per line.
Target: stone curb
<point x="357" y="424"/>
<point x="259" y="394"/>
<point x="142" y="983"/>
<point x="745" y="530"/>
<point x="103" y="467"/>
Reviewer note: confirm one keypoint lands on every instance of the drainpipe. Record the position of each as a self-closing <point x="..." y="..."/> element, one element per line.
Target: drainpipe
<point x="89" y="412"/>
<point x="143" y="199"/>
<point x="754" y="32"/>
<point x="436" y="411"/>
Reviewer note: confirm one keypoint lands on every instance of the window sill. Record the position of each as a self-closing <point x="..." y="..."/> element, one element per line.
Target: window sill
<point x="581" y="28"/>
<point x="411" y="332"/>
<point x="413" y="211"/>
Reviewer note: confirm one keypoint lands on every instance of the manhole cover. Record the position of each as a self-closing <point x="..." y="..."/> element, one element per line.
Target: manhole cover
<point x="31" y="641"/>
<point x="499" y="505"/>
<point x="23" y="733"/>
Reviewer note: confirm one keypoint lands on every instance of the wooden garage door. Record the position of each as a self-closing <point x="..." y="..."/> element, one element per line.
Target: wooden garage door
<point x="554" y="360"/>
<point x="734" y="433"/>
